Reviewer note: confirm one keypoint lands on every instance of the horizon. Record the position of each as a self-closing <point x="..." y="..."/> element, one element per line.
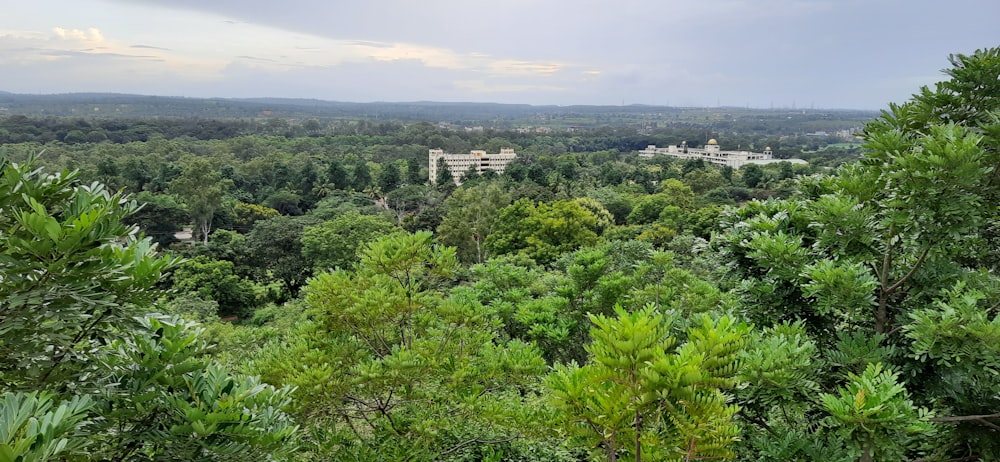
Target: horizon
<point x="674" y="53"/>
<point x="293" y="99"/>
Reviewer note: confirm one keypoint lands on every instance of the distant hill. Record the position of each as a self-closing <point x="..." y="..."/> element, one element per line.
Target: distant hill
<point x="469" y="114"/>
<point x="113" y="105"/>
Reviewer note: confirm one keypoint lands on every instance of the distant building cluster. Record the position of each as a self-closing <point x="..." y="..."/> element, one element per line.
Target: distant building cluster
<point x="713" y="154"/>
<point x="851" y="133"/>
<point x="848" y="134"/>
<point x="461" y="164"/>
<point x="533" y="130"/>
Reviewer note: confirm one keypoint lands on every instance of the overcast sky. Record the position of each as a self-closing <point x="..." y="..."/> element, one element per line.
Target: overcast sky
<point x="759" y="53"/>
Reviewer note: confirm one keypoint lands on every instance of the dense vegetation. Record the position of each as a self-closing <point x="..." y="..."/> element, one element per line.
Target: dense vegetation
<point x="333" y="303"/>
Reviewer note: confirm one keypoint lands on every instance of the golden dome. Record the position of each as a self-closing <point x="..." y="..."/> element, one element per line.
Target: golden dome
<point x="767" y="148"/>
<point x="713" y="142"/>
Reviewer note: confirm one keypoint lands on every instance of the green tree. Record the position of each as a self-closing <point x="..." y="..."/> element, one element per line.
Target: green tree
<point x="285" y="202"/>
<point x="542" y="232"/>
<point x="160" y="217"/>
<point x="202" y="189"/>
<point x="335" y="243"/>
<point x="752" y="175"/>
<point x="110" y="381"/>
<point x="413" y="173"/>
<point x="510" y="235"/>
<point x="215" y="280"/>
<point x="879" y="253"/>
<point x="136" y="172"/>
<point x="307" y="181"/>
<point x="65" y="248"/>
<point x="418" y="366"/>
<point x="361" y="177"/>
<point x="605" y="220"/>
<point x="225" y="245"/>
<point x="337" y="175"/>
<point x="445" y="179"/>
<point x="389" y="178"/>
<point x="38" y="427"/>
<point x="647" y="209"/>
<point x="412" y="267"/>
<point x="873" y="413"/>
<point x="785" y="170"/>
<point x="274" y="250"/>
<point x="411" y="200"/>
<point x="703" y="180"/>
<point x="967" y="98"/>
<point x="642" y="394"/>
<point x="614" y="202"/>
<point x="469" y="220"/>
<point x="249" y="214"/>
<point x="164" y="401"/>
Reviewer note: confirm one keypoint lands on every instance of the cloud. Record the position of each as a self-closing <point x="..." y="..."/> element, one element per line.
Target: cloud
<point x="254" y="58"/>
<point x="429" y="56"/>
<point x="434" y="57"/>
<point x="483" y="87"/>
<point x="515" y="67"/>
<point x="88" y="36"/>
<point x="839" y="52"/>
<point x="18" y="47"/>
<point x="99" y="54"/>
<point x="90" y="56"/>
<point x="206" y="54"/>
<point x="149" y="47"/>
<point x="368" y="43"/>
<point x="60" y="42"/>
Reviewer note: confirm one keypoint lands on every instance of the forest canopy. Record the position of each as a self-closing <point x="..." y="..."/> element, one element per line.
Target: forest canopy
<point x="291" y="289"/>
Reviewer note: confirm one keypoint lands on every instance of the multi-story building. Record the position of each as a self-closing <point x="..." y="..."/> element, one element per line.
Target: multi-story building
<point x="460" y="164"/>
<point x="713" y="154"/>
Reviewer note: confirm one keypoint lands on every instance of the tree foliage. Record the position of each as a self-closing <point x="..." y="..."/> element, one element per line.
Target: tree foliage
<point x="215" y="280"/>
<point x="875" y="262"/>
<point x="66" y="249"/>
<point x="414" y="367"/>
<point x="644" y="394"/>
<point x="542" y="231"/>
<point x="202" y="189"/>
<point x="335" y="243"/>
<point x="106" y="378"/>
<point x="604" y="312"/>
<point x="471" y="218"/>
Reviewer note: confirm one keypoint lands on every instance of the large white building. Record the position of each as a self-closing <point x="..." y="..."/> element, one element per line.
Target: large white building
<point x="713" y="154"/>
<point x="460" y="164"/>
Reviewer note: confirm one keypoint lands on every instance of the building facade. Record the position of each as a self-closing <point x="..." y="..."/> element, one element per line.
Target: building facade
<point x="713" y="154"/>
<point x="461" y="164"/>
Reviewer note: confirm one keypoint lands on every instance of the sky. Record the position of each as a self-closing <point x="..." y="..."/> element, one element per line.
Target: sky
<point x="850" y="54"/>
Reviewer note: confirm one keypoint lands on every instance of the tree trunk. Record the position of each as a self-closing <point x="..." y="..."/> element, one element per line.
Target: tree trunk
<point x="882" y="312"/>
<point x="205" y="227"/>
<point x="638" y="434"/>
<point x="610" y="451"/>
<point x="866" y="456"/>
<point x="479" y="249"/>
